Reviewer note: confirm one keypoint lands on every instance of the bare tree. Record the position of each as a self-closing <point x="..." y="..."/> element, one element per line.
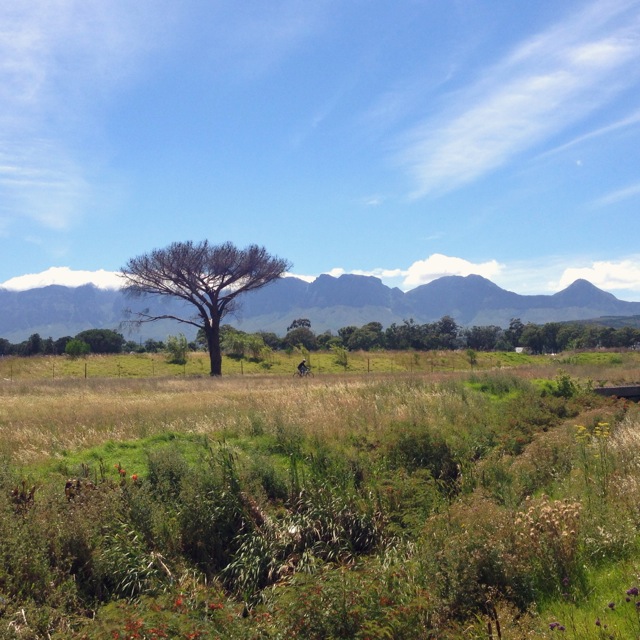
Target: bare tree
<point x="206" y="276"/>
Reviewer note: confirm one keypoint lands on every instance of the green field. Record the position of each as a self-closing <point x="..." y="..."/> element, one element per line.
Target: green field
<point x="409" y="495"/>
<point x="149" y="365"/>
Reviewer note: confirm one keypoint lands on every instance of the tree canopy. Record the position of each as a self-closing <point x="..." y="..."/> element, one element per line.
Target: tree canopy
<point x="209" y="277"/>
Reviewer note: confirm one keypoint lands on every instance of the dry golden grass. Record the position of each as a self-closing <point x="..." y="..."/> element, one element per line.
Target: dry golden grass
<point x="41" y="419"/>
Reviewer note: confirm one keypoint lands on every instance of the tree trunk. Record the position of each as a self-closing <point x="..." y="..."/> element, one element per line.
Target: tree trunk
<point x="213" y="342"/>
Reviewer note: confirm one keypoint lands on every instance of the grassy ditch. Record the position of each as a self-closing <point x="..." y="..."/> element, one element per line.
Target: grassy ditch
<point x="486" y="503"/>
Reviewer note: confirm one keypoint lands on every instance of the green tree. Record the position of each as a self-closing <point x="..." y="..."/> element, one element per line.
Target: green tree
<point x="255" y="346"/>
<point x="345" y="333"/>
<point x="532" y="338"/>
<point x="209" y="278"/>
<point x="33" y="346"/>
<point x="302" y="336"/>
<point x="448" y="331"/>
<point x="5" y="347"/>
<point x="568" y="336"/>
<point x="327" y="340"/>
<point x="153" y="346"/>
<point x="408" y="335"/>
<point x="514" y="332"/>
<point x="298" y="323"/>
<point x="271" y="340"/>
<point x="232" y="341"/>
<point x="367" y="337"/>
<point x="340" y="355"/>
<point x="76" y="348"/>
<point x="483" y="338"/>
<point x="177" y="349"/>
<point x="102" y="340"/>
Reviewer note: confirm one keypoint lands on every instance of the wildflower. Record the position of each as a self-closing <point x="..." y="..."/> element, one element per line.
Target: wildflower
<point x="134" y="477"/>
<point x="214" y="606"/>
<point x="598" y="623"/>
<point x="633" y="591"/>
<point x="612" y="605"/>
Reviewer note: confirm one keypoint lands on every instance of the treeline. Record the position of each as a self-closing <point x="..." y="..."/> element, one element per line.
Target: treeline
<point x="444" y="334"/>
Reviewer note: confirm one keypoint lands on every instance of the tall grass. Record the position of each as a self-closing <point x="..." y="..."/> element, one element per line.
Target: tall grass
<point x="450" y="504"/>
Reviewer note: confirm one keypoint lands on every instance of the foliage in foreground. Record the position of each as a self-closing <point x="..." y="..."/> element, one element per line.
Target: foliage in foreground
<point x="486" y="505"/>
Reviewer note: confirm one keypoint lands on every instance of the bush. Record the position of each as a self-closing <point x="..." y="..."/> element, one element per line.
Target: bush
<point x="177" y="349"/>
<point x="76" y="348"/>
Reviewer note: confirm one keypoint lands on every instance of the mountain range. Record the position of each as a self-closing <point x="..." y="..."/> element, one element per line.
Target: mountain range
<point x="328" y="302"/>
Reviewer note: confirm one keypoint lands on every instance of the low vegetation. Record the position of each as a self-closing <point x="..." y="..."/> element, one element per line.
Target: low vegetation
<point x="399" y="495"/>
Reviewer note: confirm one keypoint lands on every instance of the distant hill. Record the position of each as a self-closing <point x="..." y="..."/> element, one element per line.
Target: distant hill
<point x="329" y="303"/>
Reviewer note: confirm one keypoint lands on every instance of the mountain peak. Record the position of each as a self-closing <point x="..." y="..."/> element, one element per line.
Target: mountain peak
<point x="583" y="292"/>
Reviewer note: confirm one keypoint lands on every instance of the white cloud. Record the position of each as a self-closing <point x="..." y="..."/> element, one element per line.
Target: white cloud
<point x="532" y="277"/>
<point x="438" y="265"/>
<point x="607" y="275"/>
<point x="621" y="194"/>
<point x="525" y="278"/>
<point x="546" y="84"/>
<point x="66" y="277"/>
<point x="300" y="277"/>
<point x="424" y="271"/>
<point x="629" y="121"/>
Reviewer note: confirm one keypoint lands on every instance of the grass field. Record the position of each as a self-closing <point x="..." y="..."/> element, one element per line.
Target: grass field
<point x="155" y="365"/>
<point x="410" y="496"/>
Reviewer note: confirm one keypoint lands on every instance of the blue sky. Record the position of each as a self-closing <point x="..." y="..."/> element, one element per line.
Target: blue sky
<point x="407" y="140"/>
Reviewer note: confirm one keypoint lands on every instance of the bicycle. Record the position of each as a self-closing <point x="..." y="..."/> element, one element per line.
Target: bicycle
<point x="305" y="373"/>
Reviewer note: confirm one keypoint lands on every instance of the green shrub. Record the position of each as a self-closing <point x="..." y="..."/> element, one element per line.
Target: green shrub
<point x="418" y="447"/>
<point x="214" y="514"/>
<point x="167" y="468"/>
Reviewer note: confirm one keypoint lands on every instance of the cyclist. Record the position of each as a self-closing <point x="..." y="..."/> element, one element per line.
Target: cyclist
<point x="302" y="367"/>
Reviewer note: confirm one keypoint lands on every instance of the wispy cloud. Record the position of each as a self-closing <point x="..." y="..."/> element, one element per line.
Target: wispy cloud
<point x="630" y="191"/>
<point x="629" y="121"/>
<point x="61" y="61"/>
<point x="546" y="84"/>
<point x="251" y="40"/>
<point x="60" y="58"/>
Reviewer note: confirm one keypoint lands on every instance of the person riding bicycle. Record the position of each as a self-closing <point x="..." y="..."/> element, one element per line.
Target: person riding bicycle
<point x="302" y="367"/>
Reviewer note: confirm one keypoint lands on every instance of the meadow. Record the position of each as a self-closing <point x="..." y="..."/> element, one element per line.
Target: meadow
<point x="406" y="495"/>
